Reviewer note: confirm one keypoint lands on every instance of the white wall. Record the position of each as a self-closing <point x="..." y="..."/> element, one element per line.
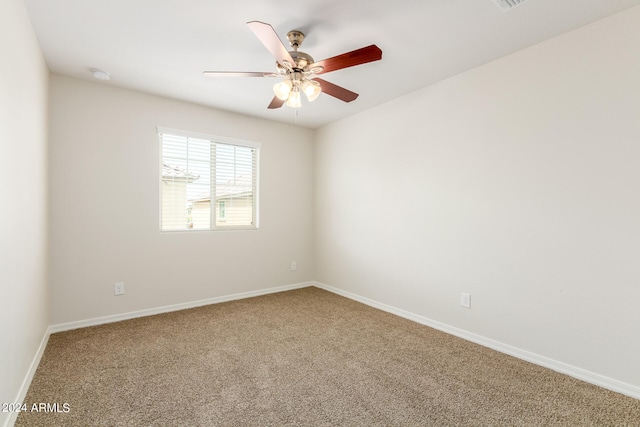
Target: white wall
<point x="24" y="296"/>
<point x="523" y="183"/>
<point x="104" y="160"/>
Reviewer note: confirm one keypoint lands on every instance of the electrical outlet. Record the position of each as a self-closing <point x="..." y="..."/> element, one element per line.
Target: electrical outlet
<point x="294" y="266"/>
<point x="465" y="300"/>
<point x="119" y="288"/>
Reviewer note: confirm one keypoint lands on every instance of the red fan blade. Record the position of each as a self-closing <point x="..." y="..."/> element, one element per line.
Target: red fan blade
<point x="349" y="59"/>
<point x="275" y="103"/>
<point x="336" y="91"/>
<point x="238" y="74"/>
<point x="267" y="35"/>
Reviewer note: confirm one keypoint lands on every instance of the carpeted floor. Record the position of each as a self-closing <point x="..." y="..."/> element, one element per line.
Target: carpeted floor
<point x="303" y="357"/>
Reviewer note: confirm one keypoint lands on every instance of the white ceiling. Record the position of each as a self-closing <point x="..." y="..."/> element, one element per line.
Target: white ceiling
<point x="162" y="46"/>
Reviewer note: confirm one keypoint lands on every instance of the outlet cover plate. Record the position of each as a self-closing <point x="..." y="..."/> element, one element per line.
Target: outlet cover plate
<point x="118" y="288"/>
<point x="465" y="300"/>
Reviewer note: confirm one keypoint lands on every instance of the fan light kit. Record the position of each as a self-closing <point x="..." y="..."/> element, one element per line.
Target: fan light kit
<point x="299" y="69"/>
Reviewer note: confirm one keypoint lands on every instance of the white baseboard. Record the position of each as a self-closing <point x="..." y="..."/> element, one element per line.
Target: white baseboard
<point x="24" y="387"/>
<point x="60" y="327"/>
<point x="564" y="368"/>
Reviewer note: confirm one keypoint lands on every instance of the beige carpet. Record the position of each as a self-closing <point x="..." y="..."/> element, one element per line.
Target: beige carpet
<point x="304" y="357"/>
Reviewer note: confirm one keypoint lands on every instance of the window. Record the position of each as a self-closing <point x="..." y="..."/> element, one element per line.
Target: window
<point x="207" y="182"/>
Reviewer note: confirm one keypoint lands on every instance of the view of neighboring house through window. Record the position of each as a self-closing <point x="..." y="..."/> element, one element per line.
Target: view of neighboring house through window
<point x="207" y="182"/>
<point x="221" y="210"/>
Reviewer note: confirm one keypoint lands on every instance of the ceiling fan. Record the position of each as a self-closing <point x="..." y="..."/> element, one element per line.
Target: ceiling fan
<point x="299" y="69"/>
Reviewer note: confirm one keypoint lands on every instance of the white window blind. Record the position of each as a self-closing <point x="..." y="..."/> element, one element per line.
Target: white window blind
<point x="207" y="182"/>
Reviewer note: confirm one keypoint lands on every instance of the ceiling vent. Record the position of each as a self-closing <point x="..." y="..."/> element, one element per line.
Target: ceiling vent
<point x="509" y="4"/>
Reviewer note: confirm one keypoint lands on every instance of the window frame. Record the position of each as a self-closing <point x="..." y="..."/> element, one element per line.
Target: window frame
<point x="213" y="139"/>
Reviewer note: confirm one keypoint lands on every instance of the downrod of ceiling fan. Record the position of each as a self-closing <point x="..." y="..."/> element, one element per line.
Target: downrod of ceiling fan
<point x="295" y="38"/>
